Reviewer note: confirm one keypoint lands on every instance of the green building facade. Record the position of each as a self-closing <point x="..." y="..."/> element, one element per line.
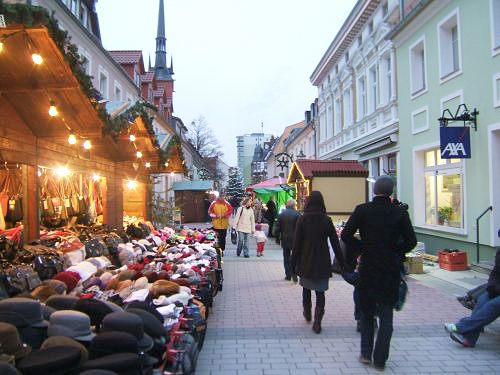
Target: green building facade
<point x="448" y="53"/>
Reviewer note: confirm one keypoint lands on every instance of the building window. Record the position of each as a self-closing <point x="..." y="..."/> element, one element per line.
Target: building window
<point x="103" y="84"/>
<point x="346" y="57"/>
<point x="137" y="77"/>
<point x="322" y="126"/>
<point x="329" y="122"/>
<point x="443" y="190"/>
<point x="385" y="9"/>
<point x="338" y="116"/>
<point x="361" y="98"/>
<point x="73" y="7"/>
<point x="392" y="170"/>
<point x="388" y="77"/>
<point x="84" y="15"/>
<point x="495" y="25"/>
<point x="347" y="108"/>
<point x="360" y="40"/>
<point x="118" y="91"/>
<point x="373" y="88"/>
<point x="417" y="68"/>
<point x="85" y="62"/>
<point x="449" y="46"/>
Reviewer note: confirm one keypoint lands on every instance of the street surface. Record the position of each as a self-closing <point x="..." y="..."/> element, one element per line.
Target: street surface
<point x="256" y="327"/>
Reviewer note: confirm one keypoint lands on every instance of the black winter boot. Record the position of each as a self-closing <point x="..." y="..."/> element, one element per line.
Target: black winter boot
<point x="318" y="316"/>
<point x="307" y="311"/>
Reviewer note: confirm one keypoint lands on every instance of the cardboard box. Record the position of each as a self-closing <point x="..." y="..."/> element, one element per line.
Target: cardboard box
<point x="415" y="264"/>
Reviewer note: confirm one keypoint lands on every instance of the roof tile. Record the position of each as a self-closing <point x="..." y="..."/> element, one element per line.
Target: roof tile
<point x="126" y="57"/>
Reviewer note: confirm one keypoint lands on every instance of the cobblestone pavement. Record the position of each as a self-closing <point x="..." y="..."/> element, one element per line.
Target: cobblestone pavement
<point x="256" y="328"/>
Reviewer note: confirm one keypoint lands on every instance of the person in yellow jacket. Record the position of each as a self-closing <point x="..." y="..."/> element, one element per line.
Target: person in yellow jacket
<point x="219" y="211"/>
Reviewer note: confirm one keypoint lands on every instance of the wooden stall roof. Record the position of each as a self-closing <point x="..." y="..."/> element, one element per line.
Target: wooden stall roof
<point x="29" y="88"/>
<point x="306" y="169"/>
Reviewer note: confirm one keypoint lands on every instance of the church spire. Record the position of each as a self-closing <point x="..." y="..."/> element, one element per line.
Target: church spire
<point x="149" y="67"/>
<point x="162" y="72"/>
<point x="171" y="64"/>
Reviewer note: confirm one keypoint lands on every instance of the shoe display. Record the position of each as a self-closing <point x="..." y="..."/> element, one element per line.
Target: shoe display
<point x="450" y="327"/>
<point x="455" y="336"/>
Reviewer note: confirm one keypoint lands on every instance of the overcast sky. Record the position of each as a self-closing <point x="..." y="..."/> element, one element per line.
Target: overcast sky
<point x="237" y="62"/>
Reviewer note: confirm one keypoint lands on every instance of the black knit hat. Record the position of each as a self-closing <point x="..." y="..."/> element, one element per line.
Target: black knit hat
<point x="384" y="185"/>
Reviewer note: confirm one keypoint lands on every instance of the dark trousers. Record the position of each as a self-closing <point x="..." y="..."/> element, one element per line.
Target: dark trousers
<point x="384" y="334"/>
<point x="221" y="238"/>
<point x="271" y="223"/>
<point x="306" y="298"/>
<point x="286" y="261"/>
<point x="486" y="311"/>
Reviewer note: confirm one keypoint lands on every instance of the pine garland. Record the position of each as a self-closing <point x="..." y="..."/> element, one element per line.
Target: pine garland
<point x="36" y="16"/>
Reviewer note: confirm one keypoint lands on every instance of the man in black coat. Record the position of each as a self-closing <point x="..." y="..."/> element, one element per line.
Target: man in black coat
<point x="487" y="310"/>
<point x="284" y="232"/>
<point x="386" y="235"/>
<point x="270" y="215"/>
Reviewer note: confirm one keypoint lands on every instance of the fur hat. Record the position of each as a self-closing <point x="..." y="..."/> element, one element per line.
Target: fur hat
<point x="42" y="292"/>
<point x="58" y="286"/>
<point x="164" y="288"/>
<point x="127" y="275"/>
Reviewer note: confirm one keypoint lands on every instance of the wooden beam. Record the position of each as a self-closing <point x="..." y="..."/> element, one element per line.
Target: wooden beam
<point x="39" y="87"/>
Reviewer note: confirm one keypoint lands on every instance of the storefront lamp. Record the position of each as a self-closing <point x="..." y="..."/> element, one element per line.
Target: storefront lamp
<point x="139" y="154"/>
<point x="148" y="165"/>
<point x="62" y="171"/>
<point x="166" y="164"/>
<point x="132" y="184"/>
<point x="1" y="46"/>
<point x="132" y="138"/>
<point x="87" y="145"/>
<point x="72" y="139"/>
<point x="96" y="178"/>
<point x="37" y="59"/>
<point x="465" y="116"/>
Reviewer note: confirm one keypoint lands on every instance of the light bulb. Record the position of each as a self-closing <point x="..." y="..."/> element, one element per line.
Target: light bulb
<point x="39" y="173"/>
<point x="166" y="164"/>
<point x="1" y="46"/>
<point x="96" y="177"/>
<point x="72" y="139"/>
<point x="87" y="145"/>
<point x="139" y="154"/>
<point x="172" y="174"/>
<point x="62" y="171"/>
<point x="132" y="138"/>
<point x="37" y="59"/>
<point x="148" y="164"/>
<point x="132" y="184"/>
<point x="53" y="111"/>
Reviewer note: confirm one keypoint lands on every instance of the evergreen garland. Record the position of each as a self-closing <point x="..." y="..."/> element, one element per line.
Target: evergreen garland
<point x="36" y="16"/>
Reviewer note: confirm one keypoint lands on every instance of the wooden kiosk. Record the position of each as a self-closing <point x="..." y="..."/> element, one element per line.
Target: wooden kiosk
<point x="342" y="183"/>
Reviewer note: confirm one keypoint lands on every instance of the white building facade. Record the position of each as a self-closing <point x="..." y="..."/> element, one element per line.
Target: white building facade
<point x="356" y="80"/>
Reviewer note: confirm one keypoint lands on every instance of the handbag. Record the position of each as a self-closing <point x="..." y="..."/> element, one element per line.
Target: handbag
<point x="22" y="278"/>
<point x="403" y="292"/>
<point x="234" y="236"/>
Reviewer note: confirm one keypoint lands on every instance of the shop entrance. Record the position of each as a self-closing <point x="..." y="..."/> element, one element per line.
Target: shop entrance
<point x="495" y="183"/>
<point x="134" y="200"/>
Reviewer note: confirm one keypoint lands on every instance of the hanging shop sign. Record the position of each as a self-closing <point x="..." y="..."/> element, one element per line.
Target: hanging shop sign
<point x="455" y="142"/>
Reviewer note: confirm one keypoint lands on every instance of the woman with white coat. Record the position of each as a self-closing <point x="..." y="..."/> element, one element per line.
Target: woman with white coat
<point x="245" y="225"/>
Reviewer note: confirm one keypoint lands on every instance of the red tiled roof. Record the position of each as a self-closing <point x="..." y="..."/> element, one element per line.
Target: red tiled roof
<point x="310" y="168"/>
<point x="126" y="57"/>
<point x="147" y="77"/>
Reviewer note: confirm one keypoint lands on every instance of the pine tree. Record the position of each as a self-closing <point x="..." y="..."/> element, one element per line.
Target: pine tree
<point x="234" y="187"/>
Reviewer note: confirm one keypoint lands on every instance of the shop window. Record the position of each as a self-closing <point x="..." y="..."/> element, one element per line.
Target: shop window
<point x="392" y="170"/>
<point x="495" y="25"/>
<point x="443" y="190"/>
<point x="449" y="46"/>
<point x="418" y="74"/>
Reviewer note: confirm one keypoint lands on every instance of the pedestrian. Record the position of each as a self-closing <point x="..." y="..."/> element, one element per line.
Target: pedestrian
<point x="386" y="235"/>
<point x="235" y="203"/>
<point x="245" y="225"/>
<point x="311" y="256"/>
<point x="220" y="210"/>
<point x="284" y="232"/>
<point x="257" y="210"/>
<point x="270" y="215"/>
<point x="486" y="310"/>
<point x="261" y="238"/>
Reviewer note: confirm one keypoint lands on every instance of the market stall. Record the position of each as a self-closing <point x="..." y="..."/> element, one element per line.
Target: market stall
<point x="342" y="183"/>
<point x="276" y="188"/>
<point x="192" y="198"/>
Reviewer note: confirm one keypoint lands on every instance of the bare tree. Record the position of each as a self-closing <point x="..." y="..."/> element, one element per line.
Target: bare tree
<point x="201" y="136"/>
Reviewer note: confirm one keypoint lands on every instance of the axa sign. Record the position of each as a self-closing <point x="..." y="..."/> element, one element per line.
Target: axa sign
<point x="455" y="142"/>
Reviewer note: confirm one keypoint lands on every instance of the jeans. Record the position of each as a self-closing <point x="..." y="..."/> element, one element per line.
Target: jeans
<point x="242" y="243"/>
<point x="221" y="238"/>
<point x="384" y="334"/>
<point x="306" y="298"/>
<point x="286" y="261"/>
<point x="486" y="311"/>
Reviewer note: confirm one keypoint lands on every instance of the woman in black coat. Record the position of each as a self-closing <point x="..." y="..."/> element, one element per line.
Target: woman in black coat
<point x="311" y="257"/>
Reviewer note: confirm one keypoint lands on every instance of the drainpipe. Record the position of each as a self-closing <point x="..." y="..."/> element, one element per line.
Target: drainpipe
<point x="401" y="9"/>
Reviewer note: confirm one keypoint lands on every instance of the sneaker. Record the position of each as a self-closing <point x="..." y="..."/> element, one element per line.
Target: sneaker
<point x="247" y="256"/>
<point x="455" y="336"/>
<point x="364" y="360"/>
<point x="450" y="327"/>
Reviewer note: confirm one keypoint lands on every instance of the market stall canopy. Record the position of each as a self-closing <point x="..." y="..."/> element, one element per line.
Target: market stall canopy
<point x="199" y="185"/>
<point x="306" y="169"/>
<point x="28" y="89"/>
<point x="274" y="182"/>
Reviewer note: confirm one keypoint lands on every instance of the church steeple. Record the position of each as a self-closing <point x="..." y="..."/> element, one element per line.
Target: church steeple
<point x="162" y="72"/>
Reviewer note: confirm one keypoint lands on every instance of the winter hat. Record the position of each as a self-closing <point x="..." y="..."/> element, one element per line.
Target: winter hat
<point x="164" y="287"/>
<point x="66" y="341"/>
<point x="152" y="277"/>
<point x="29" y="310"/>
<point x="67" y="278"/>
<point x="84" y="269"/>
<point x="124" y="284"/>
<point x="106" y="277"/>
<point x="11" y="343"/>
<point x="113" y="283"/>
<point x="129" y="323"/>
<point x="95" y="281"/>
<point x="42" y="292"/>
<point x="62" y="302"/>
<point x="258" y="227"/>
<point x="384" y="185"/>
<point x="141" y="283"/>
<point x="58" y="286"/>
